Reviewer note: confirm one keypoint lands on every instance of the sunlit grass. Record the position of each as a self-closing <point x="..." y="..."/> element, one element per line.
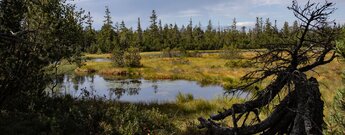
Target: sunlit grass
<point x="187" y="109"/>
<point x="208" y="69"/>
<point x="107" y="55"/>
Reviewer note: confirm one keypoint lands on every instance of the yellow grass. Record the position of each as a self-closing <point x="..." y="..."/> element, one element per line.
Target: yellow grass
<point x="210" y="69"/>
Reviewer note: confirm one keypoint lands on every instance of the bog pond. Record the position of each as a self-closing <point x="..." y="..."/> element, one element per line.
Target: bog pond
<point x="136" y="90"/>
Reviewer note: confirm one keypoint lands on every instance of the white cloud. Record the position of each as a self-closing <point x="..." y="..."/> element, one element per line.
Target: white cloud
<point x="247" y="24"/>
<point x="189" y="13"/>
<point x="269" y="2"/>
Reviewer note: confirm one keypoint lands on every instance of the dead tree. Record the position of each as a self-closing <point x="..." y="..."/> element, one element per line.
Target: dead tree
<point x="301" y="110"/>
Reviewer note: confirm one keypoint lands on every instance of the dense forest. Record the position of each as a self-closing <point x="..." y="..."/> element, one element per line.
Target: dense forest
<point x="43" y="41"/>
<point x="193" y="36"/>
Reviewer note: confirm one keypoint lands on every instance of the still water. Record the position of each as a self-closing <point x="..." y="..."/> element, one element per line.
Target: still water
<point x="135" y="90"/>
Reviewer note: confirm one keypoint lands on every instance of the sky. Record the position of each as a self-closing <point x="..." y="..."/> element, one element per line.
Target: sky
<point x="221" y="12"/>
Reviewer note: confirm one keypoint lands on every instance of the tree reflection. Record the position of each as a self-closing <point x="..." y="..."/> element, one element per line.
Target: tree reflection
<point x="129" y="87"/>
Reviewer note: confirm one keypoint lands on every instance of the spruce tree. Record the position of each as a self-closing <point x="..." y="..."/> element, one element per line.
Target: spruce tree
<point x="210" y="36"/>
<point x="153" y="39"/>
<point x="105" y="38"/>
<point x="139" y="37"/>
<point x="90" y="36"/>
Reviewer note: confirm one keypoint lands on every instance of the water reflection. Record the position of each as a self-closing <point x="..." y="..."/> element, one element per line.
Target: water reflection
<point x="129" y="87"/>
<point x="100" y="60"/>
<point x="134" y="90"/>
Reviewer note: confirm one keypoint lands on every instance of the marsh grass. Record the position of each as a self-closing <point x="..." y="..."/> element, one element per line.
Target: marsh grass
<point x="209" y="69"/>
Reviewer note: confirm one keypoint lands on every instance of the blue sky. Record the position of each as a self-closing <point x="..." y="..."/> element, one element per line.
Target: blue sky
<point x="220" y="12"/>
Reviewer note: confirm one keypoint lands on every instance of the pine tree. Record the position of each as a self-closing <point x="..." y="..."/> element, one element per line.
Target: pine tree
<point x="90" y="36"/>
<point x="198" y="35"/>
<point x="210" y="36"/>
<point x="105" y="38"/>
<point x="234" y="25"/>
<point x="286" y="30"/>
<point x="153" y="39"/>
<point x="139" y="39"/>
<point x="107" y="16"/>
<point x="268" y="32"/>
<point x="188" y="36"/>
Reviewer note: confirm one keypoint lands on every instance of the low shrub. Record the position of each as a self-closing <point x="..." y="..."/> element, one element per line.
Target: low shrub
<point x="239" y="64"/>
<point x="230" y="52"/>
<point x="132" y="57"/>
<point x="67" y="115"/>
<point x="133" y="120"/>
<point x="337" y="119"/>
<point x="168" y="52"/>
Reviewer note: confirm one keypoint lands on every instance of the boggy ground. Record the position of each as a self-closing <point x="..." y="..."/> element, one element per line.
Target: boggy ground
<point x="209" y="68"/>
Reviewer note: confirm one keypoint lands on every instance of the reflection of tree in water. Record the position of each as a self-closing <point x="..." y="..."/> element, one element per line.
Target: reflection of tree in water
<point x="77" y="80"/>
<point x="131" y="87"/>
<point x="155" y="86"/>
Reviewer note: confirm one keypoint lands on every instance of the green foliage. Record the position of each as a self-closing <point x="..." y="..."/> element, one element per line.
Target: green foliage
<point x="340" y="44"/>
<point x="337" y="119"/>
<point x="32" y="43"/>
<point x="117" y="57"/>
<point x="230" y="52"/>
<point x="168" y="52"/>
<point x="341" y="47"/>
<point x="231" y="83"/>
<point x="66" y="115"/>
<point x="160" y="36"/>
<point x="132" y="120"/>
<point x="132" y="57"/>
<point x="128" y="58"/>
<point x="105" y="38"/>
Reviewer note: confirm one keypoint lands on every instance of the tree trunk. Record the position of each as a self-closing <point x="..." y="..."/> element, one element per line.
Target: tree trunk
<point x="299" y="113"/>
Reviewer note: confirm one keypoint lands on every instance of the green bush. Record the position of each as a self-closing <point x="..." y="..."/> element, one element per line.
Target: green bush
<point x="117" y="57"/>
<point x="131" y="120"/>
<point x="230" y="52"/>
<point x="66" y="115"/>
<point x="132" y="57"/>
<point x="337" y="119"/>
<point x="168" y="52"/>
<point x="129" y="58"/>
<point x="340" y="45"/>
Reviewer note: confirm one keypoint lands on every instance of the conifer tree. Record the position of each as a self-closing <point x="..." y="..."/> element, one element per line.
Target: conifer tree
<point x="139" y="36"/>
<point x="105" y="38"/>
<point x="153" y="39"/>
<point x="90" y="36"/>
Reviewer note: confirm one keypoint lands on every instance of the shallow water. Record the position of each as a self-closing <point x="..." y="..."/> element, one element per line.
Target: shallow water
<point x="100" y="60"/>
<point x="135" y="90"/>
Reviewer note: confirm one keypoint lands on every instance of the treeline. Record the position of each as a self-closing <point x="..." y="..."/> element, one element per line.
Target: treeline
<point x="190" y="37"/>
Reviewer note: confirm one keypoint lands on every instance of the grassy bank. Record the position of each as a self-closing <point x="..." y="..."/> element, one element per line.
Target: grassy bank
<point x="207" y="69"/>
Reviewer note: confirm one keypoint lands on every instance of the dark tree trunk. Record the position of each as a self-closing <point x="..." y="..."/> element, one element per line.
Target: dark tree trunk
<point x="299" y="113"/>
